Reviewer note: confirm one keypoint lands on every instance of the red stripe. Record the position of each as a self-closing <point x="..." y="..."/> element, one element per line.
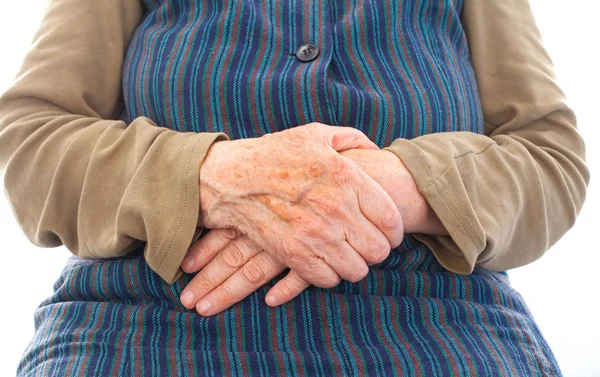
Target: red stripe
<point x="148" y="50"/>
<point x="253" y="78"/>
<point x="303" y="69"/>
<point x="413" y="95"/>
<point x="433" y="331"/>
<point x="356" y="354"/>
<point x="395" y="359"/>
<point x="364" y="83"/>
<point x="49" y="330"/>
<point x="92" y="332"/>
<point x="414" y="358"/>
<point x="223" y="344"/>
<point x="455" y="339"/>
<point x="431" y="59"/>
<point x="375" y="70"/>
<point x="77" y="339"/>
<point x="482" y="335"/>
<point x="208" y="90"/>
<point x="328" y="336"/>
<point x="225" y="65"/>
<point x="273" y="124"/>
<point x="171" y="63"/>
<point x="517" y="329"/>
<point x="314" y="67"/>
<point x="239" y="338"/>
<point x="121" y="340"/>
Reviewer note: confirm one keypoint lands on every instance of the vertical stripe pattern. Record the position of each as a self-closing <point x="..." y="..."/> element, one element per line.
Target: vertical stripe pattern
<point x="408" y="317"/>
<point x="393" y="69"/>
<point x="389" y="68"/>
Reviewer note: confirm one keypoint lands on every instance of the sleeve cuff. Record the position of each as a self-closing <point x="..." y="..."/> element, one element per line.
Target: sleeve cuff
<point x="164" y="254"/>
<point x="439" y="181"/>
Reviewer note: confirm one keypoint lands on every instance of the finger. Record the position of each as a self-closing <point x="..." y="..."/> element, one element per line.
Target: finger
<point x="311" y="267"/>
<point x="286" y="289"/>
<point x="343" y="138"/>
<point x="253" y="275"/>
<point x="371" y="244"/>
<point x="345" y="261"/>
<point x="236" y="254"/>
<point x="377" y="206"/>
<point x="206" y="248"/>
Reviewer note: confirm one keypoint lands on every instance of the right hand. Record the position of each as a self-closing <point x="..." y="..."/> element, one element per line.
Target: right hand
<point x="295" y="197"/>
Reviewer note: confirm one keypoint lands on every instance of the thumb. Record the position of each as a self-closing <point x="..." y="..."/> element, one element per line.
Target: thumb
<point x="286" y="289"/>
<point x="344" y="138"/>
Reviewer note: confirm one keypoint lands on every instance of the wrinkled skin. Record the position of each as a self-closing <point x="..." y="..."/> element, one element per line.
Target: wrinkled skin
<point x="232" y="267"/>
<point x="288" y="199"/>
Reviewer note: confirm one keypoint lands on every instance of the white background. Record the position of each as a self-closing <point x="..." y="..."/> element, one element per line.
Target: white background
<point x="561" y="289"/>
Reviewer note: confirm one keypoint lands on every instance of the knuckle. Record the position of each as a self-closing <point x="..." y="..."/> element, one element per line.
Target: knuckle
<point x="315" y="125"/>
<point x="253" y="273"/>
<point x="328" y="280"/>
<point x="391" y="219"/>
<point x="232" y="256"/>
<point x="294" y="260"/>
<point x="225" y="294"/>
<point x="201" y="248"/>
<point x="359" y="274"/>
<point x="289" y="288"/>
<point x="203" y="282"/>
<point x="327" y="203"/>
<point x="383" y="246"/>
<point x="380" y="254"/>
<point x="381" y="242"/>
<point x="292" y="253"/>
<point x="337" y="166"/>
<point x="331" y="282"/>
<point x="228" y="234"/>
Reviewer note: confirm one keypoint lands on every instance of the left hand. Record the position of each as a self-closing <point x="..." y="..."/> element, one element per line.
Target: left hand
<point x="393" y="176"/>
<point x="232" y="267"/>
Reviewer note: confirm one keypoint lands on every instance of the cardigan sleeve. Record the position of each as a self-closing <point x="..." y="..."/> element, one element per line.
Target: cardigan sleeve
<point x="506" y="196"/>
<point x="74" y="175"/>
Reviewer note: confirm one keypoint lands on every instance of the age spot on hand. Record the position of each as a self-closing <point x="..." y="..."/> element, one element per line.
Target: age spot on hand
<point x="277" y="207"/>
<point x="315" y="171"/>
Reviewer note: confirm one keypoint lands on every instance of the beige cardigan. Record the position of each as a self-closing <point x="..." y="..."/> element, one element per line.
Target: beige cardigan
<point x="75" y="176"/>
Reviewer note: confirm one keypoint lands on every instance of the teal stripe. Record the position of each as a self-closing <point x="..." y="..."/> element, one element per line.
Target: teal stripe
<point x="191" y="19"/>
<point x="157" y="81"/>
<point x="388" y="333"/>
<point x="237" y="101"/>
<point x="200" y="66"/>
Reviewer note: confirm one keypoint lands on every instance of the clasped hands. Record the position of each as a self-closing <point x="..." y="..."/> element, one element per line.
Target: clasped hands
<point x="313" y="198"/>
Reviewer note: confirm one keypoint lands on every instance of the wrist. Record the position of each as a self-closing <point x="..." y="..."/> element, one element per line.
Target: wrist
<point x="417" y="214"/>
<point x="207" y="175"/>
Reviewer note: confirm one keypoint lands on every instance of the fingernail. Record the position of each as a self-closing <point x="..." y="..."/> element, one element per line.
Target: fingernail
<point x="187" y="298"/>
<point x="188" y="263"/>
<point x="270" y="300"/>
<point x="204" y="306"/>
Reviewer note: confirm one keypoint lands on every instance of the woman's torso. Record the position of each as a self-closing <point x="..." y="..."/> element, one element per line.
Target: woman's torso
<point x="389" y="68"/>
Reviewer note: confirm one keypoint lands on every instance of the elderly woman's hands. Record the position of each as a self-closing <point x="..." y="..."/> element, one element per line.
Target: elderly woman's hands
<point x="393" y="176"/>
<point x="294" y="196"/>
<point x="232" y="267"/>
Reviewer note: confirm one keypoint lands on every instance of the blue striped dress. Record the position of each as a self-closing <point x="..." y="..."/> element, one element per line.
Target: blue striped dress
<point x="393" y="69"/>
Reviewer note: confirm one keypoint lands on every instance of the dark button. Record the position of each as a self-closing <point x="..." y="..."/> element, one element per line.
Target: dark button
<point x="307" y="52"/>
